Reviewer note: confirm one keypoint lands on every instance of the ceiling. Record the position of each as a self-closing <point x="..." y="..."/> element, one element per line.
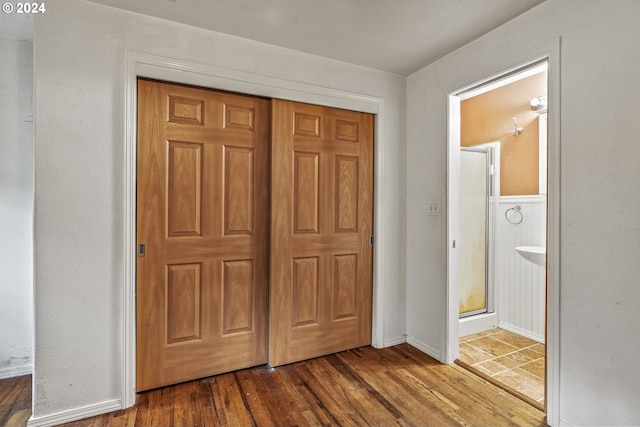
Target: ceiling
<point x="398" y="36"/>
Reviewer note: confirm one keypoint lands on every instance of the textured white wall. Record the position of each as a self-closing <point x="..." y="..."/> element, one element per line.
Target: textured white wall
<point x="16" y="207"/>
<point x="16" y="26"/>
<point x="79" y="180"/>
<point x="600" y="196"/>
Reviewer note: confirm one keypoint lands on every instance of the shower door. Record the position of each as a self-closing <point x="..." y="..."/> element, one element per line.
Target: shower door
<point x="476" y="230"/>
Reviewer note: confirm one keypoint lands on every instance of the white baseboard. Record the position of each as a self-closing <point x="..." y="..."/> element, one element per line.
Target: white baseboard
<point x="563" y="423"/>
<point x="521" y="332"/>
<point x="75" y="414"/>
<point x="425" y="348"/>
<point x="395" y="341"/>
<point x="16" y="371"/>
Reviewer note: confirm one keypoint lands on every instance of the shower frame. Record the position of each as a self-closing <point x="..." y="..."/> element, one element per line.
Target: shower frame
<point x="492" y="182"/>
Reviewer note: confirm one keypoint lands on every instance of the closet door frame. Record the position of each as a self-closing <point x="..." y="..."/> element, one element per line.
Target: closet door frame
<point x="175" y="71"/>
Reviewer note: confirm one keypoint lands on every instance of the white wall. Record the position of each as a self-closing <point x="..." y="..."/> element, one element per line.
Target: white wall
<point x="16" y="26"/>
<point x="16" y="206"/>
<point x="600" y="196"/>
<point x="79" y="168"/>
<point x="79" y="214"/>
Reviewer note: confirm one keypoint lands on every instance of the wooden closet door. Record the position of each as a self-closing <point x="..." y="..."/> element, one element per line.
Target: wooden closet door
<point x="322" y="217"/>
<point x="203" y="217"/>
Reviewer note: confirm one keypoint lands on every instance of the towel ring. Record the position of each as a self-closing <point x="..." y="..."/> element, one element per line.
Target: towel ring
<point x="517" y="210"/>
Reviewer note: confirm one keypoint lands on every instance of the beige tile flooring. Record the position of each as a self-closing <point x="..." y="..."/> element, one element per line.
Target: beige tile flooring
<point x="514" y="361"/>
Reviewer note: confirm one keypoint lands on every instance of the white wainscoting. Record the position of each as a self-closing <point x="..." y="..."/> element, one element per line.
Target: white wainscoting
<point x="521" y="284"/>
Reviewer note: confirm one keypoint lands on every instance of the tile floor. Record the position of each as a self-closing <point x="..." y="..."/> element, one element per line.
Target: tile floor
<point x="512" y="360"/>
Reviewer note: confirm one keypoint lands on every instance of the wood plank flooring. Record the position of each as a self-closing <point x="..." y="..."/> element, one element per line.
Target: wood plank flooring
<point x="396" y="386"/>
<point x="15" y="401"/>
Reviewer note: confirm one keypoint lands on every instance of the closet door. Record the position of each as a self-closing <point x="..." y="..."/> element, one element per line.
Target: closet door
<point x="322" y="217"/>
<point x="202" y="231"/>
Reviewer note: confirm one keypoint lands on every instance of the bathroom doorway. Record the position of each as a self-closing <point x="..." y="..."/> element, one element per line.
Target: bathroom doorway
<point x="501" y="290"/>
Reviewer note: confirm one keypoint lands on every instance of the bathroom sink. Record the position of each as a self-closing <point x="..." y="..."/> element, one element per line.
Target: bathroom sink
<point x="534" y="254"/>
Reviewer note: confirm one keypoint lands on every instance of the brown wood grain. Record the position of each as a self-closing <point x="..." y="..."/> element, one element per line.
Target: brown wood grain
<point x="203" y="215"/>
<point x="15" y="401"/>
<point x="321" y="261"/>
<point x="362" y="387"/>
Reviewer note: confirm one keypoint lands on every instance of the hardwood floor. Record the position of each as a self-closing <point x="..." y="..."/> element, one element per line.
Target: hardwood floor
<point x="15" y="401"/>
<point x="394" y="386"/>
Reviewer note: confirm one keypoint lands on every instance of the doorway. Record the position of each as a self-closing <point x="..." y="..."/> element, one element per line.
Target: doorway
<point x="203" y="240"/>
<point x="511" y="109"/>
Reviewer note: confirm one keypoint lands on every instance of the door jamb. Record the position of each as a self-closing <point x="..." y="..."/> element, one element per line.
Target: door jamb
<point x="168" y="69"/>
<point x="551" y="52"/>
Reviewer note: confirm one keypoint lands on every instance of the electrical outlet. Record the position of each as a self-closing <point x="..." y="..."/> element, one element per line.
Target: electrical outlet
<point x="434" y="209"/>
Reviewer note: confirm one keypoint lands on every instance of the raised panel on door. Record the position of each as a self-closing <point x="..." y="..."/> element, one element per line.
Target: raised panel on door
<point x="239" y="168"/>
<point x="304" y="298"/>
<point x="346" y="192"/>
<point x="183" y="303"/>
<point x="184" y="188"/>
<point x="305" y="191"/>
<point x="238" y="294"/>
<point x="345" y="286"/>
<point x="203" y="203"/>
<point x="322" y="216"/>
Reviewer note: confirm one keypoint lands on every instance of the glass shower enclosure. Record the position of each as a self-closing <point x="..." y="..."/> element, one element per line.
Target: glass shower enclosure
<point x="477" y="209"/>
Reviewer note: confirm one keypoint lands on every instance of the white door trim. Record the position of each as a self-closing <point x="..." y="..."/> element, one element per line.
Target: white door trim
<point x="168" y="69"/>
<point x="551" y="52"/>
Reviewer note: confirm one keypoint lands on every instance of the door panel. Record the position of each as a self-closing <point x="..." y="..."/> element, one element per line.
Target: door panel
<point x="203" y="216"/>
<point x="322" y="216"/>
<point x="474" y="223"/>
